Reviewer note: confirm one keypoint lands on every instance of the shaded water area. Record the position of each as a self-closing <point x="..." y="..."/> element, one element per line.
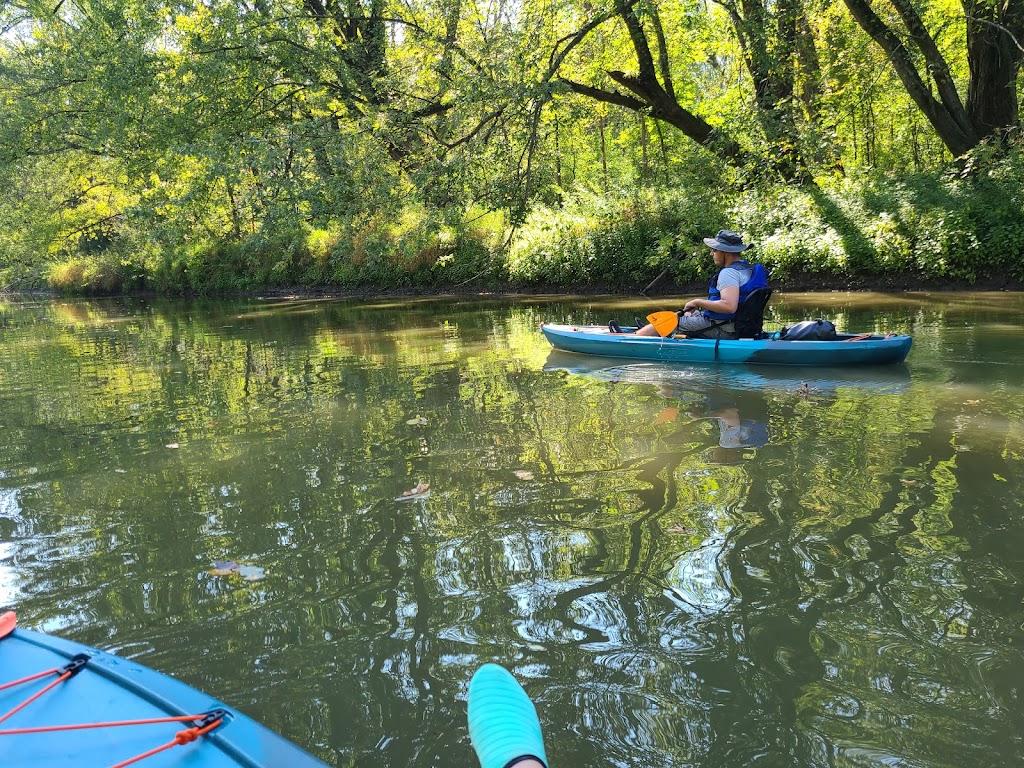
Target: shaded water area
<point x="684" y="566"/>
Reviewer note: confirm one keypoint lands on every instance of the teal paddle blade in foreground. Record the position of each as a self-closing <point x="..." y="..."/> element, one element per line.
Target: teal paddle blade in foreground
<point x="847" y="349"/>
<point x="102" y="687"/>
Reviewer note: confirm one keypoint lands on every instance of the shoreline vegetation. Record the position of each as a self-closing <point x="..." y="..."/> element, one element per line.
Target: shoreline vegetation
<point x="805" y="283"/>
<point x="218" y="148"/>
<point x="960" y="230"/>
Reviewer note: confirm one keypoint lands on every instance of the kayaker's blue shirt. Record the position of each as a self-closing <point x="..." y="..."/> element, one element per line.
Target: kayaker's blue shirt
<point x="742" y="274"/>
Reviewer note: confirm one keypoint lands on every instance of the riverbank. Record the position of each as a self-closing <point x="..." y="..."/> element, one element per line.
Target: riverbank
<point x="791" y="284"/>
<point x="864" y="233"/>
<point x="801" y="283"/>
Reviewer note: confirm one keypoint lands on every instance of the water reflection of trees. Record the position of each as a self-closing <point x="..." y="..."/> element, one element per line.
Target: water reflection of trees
<point x="851" y="593"/>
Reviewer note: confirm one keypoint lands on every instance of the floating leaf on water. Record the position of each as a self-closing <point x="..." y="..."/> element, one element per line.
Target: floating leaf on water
<point x="231" y="567"/>
<point x="419" y="421"/>
<point x="251" y="572"/>
<point x="172" y="445"/>
<point x="121" y="471"/>
<point x="524" y="474"/>
<point x="419" y="492"/>
<point x="909" y="482"/>
<point x="666" y="415"/>
<point x="971" y="402"/>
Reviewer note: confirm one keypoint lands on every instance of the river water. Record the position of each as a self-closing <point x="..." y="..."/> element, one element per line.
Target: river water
<point x="684" y="566"/>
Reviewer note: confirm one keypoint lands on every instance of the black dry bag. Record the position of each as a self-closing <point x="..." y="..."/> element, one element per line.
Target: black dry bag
<point x="809" y="330"/>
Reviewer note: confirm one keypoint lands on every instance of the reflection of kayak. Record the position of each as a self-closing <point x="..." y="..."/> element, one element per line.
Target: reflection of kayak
<point x="106" y="688"/>
<point x="848" y="349"/>
<point x="698" y="379"/>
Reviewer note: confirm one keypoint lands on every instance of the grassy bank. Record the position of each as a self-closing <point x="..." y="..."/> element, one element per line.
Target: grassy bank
<point x="963" y="227"/>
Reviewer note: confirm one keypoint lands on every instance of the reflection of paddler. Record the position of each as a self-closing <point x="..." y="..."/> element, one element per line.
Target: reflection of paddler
<point x="735" y="433"/>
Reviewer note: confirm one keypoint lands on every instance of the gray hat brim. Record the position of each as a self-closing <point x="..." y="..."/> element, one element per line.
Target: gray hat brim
<point x="711" y="242"/>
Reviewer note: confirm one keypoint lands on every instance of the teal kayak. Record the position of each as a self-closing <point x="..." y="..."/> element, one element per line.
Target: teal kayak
<point x="67" y="705"/>
<point x="847" y="349"/>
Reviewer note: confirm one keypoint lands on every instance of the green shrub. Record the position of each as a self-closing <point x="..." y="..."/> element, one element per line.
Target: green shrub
<point x="959" y="227"/>
<point x="85" y="274"/>
<point x="319" y="248"/>
<point x="618" y="241"/>
<point x="789" y="231"/>
<point x="416" y="249"/>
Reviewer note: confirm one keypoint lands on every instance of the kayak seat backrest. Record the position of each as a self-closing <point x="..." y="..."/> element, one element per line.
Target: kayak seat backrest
<point x="750" y="313"/>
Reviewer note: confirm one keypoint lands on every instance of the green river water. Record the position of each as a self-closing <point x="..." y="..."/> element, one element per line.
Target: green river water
<point x="684" y="566"/>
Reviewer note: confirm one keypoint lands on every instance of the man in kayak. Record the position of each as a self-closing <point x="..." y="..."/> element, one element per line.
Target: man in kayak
<point x="712" y="318"/>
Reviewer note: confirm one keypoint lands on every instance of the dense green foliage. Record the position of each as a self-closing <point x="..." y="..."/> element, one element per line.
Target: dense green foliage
<point x="225" y="145"/>
<point x="957" y="226"/>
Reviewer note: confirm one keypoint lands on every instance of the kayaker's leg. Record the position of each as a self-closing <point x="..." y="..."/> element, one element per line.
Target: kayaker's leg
<point x="696" y="326"/>
<point x="503" y="724"/>
<point x="647" y="330"/>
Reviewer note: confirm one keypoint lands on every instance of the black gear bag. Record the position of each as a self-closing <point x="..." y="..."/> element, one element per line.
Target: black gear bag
<point x="809" y="330"/>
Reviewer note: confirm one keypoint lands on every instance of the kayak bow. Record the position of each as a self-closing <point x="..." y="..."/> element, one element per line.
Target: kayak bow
<point x="66" y="705"/>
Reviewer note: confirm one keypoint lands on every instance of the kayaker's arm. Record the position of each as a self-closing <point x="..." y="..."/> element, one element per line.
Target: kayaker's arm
<point x="726" y="305"/>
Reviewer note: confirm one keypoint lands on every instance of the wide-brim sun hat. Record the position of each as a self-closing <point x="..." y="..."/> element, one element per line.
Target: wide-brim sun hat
<point x="726" y="240"/>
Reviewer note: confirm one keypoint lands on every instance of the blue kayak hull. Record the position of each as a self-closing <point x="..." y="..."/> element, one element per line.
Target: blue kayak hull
<point x="846" y="350"/>
<point x="109" y="688"/>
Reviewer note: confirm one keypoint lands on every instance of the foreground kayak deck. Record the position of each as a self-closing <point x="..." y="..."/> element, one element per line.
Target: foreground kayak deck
<point x="108" y="688"/>
<point x="848" y="349"/>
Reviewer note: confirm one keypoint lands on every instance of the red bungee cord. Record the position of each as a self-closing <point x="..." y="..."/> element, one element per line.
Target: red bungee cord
<point x="204" y="723"/>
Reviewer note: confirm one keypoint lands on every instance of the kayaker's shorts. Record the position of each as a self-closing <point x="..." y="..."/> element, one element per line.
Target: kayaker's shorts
<point x="696" y="326"/>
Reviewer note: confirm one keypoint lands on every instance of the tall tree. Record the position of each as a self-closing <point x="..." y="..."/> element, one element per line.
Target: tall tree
<point x="993" y="30"/>
<point x="650" y="89"/>
<point x="768" y="36"/>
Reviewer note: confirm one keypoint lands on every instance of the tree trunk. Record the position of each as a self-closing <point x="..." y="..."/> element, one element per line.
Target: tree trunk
<point x="768" y="37"/>
<point x="810" y="68"/>
<point x="661" y="107"/>
<point x="994" y="59"/>
<point x="957" y="138"/>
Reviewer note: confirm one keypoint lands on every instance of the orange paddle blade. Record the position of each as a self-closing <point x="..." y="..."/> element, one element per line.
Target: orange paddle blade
<point x="8" y="622"/>
<point x="665" y="323"/>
